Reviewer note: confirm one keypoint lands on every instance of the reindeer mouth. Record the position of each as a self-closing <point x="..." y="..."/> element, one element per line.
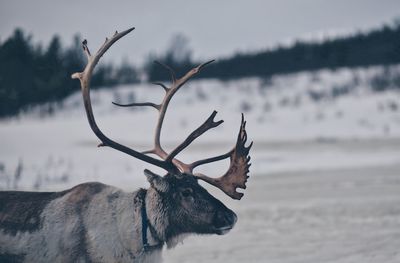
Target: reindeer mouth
<point x="223" y="230"/>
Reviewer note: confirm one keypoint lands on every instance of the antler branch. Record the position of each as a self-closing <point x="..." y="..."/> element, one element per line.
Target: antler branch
<point x="171" y="71"/>
<point x="156" y="106"/>
<point x="208" y="124"/>
<point x="84" y="78"/>
<point x="236" y="176"/>
<point x="176" y="85"/>
<point x="161" y="85"/>
<point x="170" y="92"/>
<point x="210" y="160"/>
<point x="162" y="108"/>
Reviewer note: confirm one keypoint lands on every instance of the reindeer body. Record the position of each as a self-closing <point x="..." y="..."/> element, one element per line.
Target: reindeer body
<point x="91" y="222"/>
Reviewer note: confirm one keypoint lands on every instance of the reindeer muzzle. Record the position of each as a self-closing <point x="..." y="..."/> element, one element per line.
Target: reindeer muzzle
<point x="224" y="221"/>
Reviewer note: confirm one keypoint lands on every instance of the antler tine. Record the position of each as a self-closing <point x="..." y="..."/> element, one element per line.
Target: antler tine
<point x="170" y="92"/>
<point x="171" y="71"/>
<point x="236" y="176"/>
<point x="225" y="155"/>
<point x="161" y="85"/>
<point x="156" y="106"/>
<point x="210" y="160"/>
<point x="208" y="124"/>
<point x="84" y="78"/>
<point x="205" y="64"/>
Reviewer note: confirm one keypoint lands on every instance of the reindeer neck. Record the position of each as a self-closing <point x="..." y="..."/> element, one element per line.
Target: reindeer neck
<point x="159" y="212"/>
<point x="149" y="236"/>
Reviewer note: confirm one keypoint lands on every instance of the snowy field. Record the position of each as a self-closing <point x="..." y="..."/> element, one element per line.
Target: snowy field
<point x="337" y="215"/>
<point x="325" y="179"/>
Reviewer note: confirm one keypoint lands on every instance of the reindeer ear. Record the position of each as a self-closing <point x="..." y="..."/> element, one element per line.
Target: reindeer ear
<point x="156" y="181"/>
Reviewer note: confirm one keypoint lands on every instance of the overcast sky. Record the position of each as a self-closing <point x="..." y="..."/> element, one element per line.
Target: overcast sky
<point x="215" y="28"/>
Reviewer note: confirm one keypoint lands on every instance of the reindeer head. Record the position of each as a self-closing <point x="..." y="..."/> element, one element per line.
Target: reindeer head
<point x="190" y="207"/>
<point x="196" y="208"/>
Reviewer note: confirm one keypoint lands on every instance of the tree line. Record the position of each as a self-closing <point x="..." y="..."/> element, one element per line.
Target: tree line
<point x="32" y="75"/>
<point x="377" y="47"/>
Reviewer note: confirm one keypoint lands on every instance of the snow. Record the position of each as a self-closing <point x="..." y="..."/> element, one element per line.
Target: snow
<point x="324" y="182"/>
<point x="349" y="215"/>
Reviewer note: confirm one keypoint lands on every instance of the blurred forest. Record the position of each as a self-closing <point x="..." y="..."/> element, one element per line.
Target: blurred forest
<point x="32" y="74"/>
<point x="377" y="47"/>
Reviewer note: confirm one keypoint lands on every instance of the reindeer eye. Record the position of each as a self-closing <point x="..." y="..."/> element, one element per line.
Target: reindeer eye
<point x="186" y="192"/>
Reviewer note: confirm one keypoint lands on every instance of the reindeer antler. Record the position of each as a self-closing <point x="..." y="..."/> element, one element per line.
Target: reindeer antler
<point x="235" y="177"/>
<point x="84" y="78"/>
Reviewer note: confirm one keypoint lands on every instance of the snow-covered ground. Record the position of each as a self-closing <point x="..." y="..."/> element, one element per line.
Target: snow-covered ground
<point x="336" y="215"/>
<point x="325" y="183"/>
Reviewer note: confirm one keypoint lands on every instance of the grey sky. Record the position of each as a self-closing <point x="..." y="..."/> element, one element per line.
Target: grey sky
<point x="215" y="27"/>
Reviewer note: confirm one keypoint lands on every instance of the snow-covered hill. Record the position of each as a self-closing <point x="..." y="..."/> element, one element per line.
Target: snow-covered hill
<point x="323" y="106"/>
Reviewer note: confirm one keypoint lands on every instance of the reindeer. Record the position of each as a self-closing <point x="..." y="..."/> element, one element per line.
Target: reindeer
<point x="93" y="222"/>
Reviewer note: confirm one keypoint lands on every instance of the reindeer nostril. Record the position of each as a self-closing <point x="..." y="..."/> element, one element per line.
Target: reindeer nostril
<point x="225" y="219"/>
